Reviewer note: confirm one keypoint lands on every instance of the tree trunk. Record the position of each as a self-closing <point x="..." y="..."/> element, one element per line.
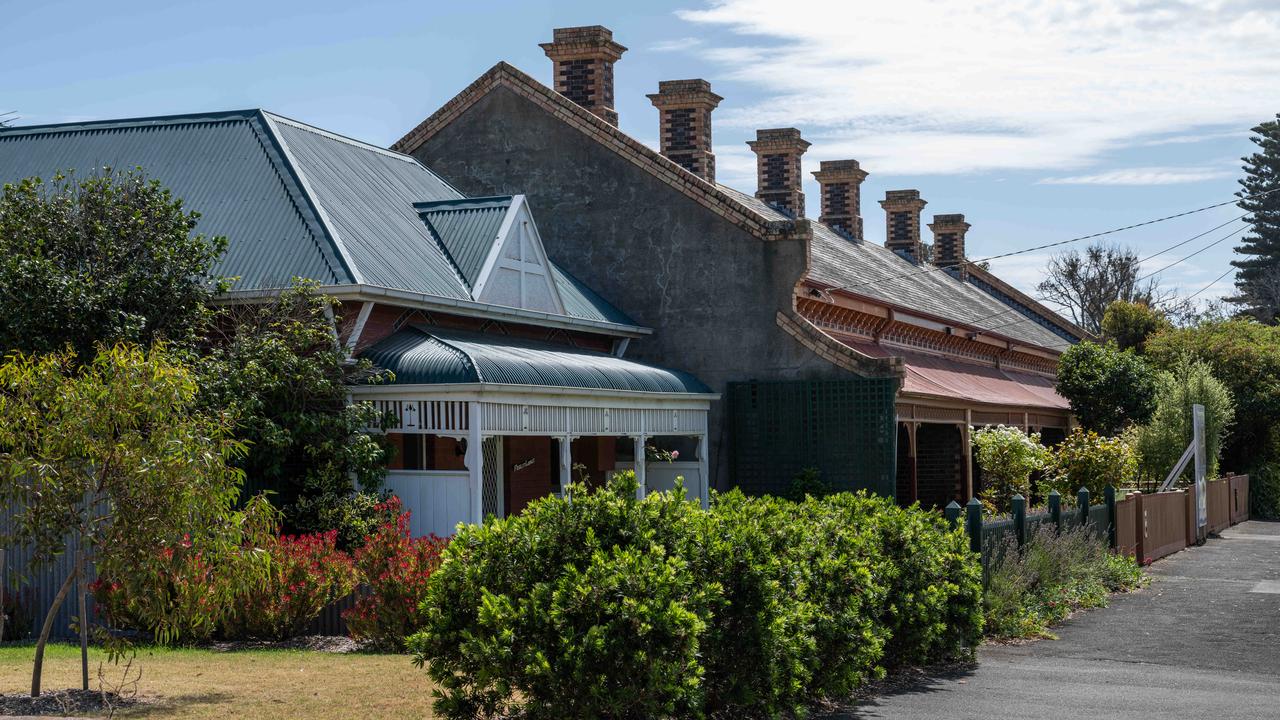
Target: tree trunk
<point x="46" y="628"/>
<point x="84" y="620"/>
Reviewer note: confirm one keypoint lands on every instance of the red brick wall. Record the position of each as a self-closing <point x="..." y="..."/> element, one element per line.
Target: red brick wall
<point x="386" y="319"/>
<point x="597" y="454"/>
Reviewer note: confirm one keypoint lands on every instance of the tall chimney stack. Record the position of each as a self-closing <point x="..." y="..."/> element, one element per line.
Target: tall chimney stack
<point x="583" y="58"/>
<point x="684" y="117"/>
<point x="841" y="183"/>
<point x="902" y="219"/>
<point x="948" y="243"/>
<point x="778" y="152"/>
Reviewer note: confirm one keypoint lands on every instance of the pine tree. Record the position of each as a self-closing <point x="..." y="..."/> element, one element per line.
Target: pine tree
<point x="1258" y="282"/>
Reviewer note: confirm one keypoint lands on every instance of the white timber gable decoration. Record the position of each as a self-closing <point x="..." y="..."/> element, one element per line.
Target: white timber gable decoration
<point x="517" y="272"/>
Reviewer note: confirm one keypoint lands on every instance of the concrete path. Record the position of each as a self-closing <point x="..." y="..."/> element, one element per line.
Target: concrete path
<point x="1202" y="641"/>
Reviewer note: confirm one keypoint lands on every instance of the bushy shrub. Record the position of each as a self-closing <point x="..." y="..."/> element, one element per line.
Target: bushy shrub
<point x="1007" y="457"/>
<point x="1161" y="442"/>
<point x="766" y="604"/>
<point x="1129" y="324"/>
<point x="1051" y="576"/>
<point x="306" y="573"/>
<point x="1108" y="389"/>
<point x="1089" y="460"/>
<point x="178" y="589"/>
<point x="394" y="568"/>
<point x="1264" y="492"/>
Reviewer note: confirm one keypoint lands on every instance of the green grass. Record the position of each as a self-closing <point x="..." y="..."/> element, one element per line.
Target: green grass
<point x="269" y="684"/>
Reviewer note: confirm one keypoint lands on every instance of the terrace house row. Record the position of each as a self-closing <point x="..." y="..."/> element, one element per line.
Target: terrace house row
<point x="867" y="362"/>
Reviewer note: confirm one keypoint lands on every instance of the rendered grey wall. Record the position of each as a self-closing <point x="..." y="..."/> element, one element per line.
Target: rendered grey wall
<point x="708" y="289"/>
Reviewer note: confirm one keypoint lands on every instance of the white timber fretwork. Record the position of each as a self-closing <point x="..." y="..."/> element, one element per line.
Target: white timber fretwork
<point x="517" y="272"/>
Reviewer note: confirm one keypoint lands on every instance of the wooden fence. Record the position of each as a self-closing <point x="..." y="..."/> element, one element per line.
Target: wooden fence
<point x="1146" y="527"/>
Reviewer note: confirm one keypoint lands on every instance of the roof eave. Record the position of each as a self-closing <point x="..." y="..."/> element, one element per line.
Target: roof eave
<point x="469" y="308"/>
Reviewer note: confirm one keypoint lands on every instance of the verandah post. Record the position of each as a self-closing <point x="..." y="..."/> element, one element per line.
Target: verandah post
<point x="1055" y="510"/>
<point x="1109" y="493"/>
<point x="1082" y="497"/>
<point x="973" y="524"/>
<point x="1020" y="519"/>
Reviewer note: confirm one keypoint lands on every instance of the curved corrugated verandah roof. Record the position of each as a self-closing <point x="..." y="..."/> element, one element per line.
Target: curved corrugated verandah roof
<point x="431" y="356"/>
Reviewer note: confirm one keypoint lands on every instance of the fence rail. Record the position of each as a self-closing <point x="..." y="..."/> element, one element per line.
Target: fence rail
<point x="1146" y="527"/>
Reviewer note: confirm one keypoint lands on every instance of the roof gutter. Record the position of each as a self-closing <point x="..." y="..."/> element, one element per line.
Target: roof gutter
<point x="423" y="301"/>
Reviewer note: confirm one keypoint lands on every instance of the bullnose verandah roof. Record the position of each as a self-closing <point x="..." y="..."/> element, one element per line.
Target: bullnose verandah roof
<point x="431" y="356"/>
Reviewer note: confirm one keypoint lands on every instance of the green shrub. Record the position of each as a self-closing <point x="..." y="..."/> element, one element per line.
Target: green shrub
<point x="1264" y="492"/>
<point x="1108" y="389"/>
<point x="1051" y="576"/>
<point x="751" y="609"/>
<point x="1086" y="459"/>
<point x="306" y="573"/>
<point x="1161" y="442"/>
<point x="1007" y="457"/>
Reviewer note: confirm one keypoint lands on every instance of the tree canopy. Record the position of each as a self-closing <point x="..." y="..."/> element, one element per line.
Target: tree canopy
<point x="1089" y="282"/>
<point x="106" y="258"/>
<point x="1258" y="282"/>
<point x="1129" y="324"/>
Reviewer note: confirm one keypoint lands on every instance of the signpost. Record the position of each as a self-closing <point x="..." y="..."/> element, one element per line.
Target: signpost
<point x="1202" y="490"/>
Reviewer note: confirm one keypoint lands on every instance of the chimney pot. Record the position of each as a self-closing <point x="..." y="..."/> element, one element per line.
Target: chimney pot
<point x="841" y="183"/>
<point x="902" y="220"/>
<point x="684" y="116"/>
<point x="948" y="243"/>
<point x="778" y="152"/>
<point x="583" y="59"/>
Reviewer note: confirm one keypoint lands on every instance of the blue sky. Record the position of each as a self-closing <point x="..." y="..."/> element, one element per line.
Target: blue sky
<point x="1039" y="121"/>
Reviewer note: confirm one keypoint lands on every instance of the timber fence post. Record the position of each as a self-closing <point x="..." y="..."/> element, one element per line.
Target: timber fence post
<point x="973" y="524"/>
<point x="1139" y="529"/>
<point x="1082" y="499"/>
<point x="952" y="513"/>
<point x="1055" y="510"/>
<point x="1110" y="495"/>
<point x="1020" y="518"/>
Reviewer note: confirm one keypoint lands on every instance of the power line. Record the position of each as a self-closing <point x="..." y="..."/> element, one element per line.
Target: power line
<point x="1215" y="282"/>
<point x="933" y="269"/>
<point x="1193" y="238"/>
<point x="1228" y="236"/>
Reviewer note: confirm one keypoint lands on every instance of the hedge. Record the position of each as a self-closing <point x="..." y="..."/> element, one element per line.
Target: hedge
<point x="606" y="606"/>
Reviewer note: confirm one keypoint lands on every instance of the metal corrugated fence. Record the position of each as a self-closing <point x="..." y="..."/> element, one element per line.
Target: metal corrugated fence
<point x="29" y="592"/>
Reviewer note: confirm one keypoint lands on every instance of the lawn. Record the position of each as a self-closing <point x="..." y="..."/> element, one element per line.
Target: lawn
<point x="246" y="684"/>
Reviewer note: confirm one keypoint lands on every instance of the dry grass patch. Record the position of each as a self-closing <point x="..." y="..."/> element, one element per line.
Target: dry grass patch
<point x="248" y="684"/>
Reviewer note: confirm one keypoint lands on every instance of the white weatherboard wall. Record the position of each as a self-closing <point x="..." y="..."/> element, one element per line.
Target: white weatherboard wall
<point x="437" y="499"/>
<point x="516" y="272"/>
<point x="660" y="476"/>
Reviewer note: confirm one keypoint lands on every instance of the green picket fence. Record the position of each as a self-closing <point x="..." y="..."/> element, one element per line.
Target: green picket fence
<point x="989" y="536"/>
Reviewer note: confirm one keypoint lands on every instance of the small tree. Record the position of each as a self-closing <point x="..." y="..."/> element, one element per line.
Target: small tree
<point x="1108" y="389"/>
<point x="1087" y="283"/>
<point x="1130" y="324"/>
<point x="1089" y="460"/>
<point x="1007" y="457"/>
<point x="115" y="458"/>
<point x="1161" y="442"/>
<point x="277" y="367"/>
<point x="108" y="258"/>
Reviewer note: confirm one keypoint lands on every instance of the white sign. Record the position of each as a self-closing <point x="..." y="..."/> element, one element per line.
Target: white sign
<point x="1197" y="425"/>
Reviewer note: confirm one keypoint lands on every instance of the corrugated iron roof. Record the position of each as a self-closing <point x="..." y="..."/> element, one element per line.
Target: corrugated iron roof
<point x="466" y="228"/>
<point x="427" y="356"/>
<point x="840" y="262"/>
<point x="293" y="200"/>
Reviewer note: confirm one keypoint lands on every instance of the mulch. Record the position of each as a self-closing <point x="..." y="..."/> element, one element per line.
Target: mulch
<point x="62" y="703"/>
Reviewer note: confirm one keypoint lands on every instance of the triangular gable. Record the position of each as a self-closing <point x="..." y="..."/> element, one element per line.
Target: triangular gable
<point x="516" y="272"/>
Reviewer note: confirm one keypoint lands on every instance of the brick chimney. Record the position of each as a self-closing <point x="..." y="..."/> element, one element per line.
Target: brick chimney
<point x="684" y="117"/>
<point x="948" y="243"/>
<point x="902" y="219"/>
<point x="778" y="152"/>
<point x="583" y="58"/>
<point x="841" y="182"/>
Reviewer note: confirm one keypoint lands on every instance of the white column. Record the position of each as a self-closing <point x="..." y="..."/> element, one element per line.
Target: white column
<point x="566" y="465"/>
<point x="475" y="462"/>
<point x="702" y="471"/>
<point x="640" y="466"/>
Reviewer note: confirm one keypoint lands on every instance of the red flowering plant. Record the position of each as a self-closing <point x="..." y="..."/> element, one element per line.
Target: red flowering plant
<point x="394" y="568"/>
<point x="305" y="574"/>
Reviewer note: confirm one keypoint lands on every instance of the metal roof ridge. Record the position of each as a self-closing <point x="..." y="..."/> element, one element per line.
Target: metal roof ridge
<point x="321" y="216"/>
<point x="175" y="119"/>
<point x="431" y="204"/>
<point x="466" y="356"/>
<point x="338" y="137"/>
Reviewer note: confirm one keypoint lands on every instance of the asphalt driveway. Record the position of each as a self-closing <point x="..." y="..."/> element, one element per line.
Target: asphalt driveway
<point x="1202" y="641"/>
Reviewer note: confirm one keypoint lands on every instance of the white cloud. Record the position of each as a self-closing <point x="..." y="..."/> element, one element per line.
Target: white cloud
<point x="918" y="86"/>
<point x="1142" y="176"/>
<point x="677" y="45"/>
